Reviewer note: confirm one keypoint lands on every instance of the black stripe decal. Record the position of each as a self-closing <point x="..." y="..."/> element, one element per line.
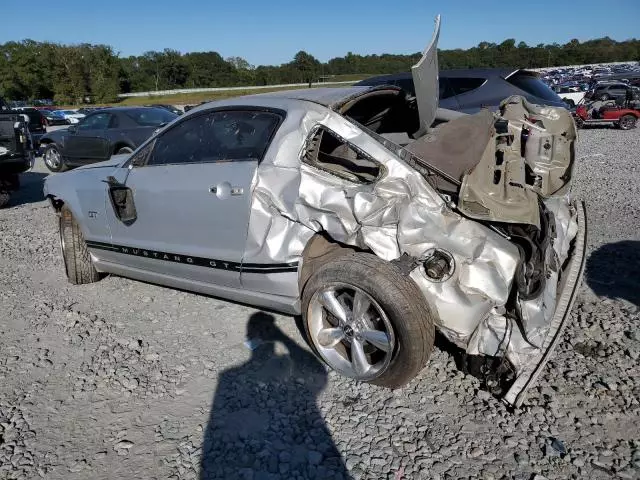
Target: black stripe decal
<point x="197" y="261"/>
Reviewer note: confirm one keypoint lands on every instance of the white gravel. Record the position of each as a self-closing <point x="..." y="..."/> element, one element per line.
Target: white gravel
<point x="122" y="379"/>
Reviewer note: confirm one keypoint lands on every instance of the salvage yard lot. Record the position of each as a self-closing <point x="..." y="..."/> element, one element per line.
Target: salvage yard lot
<point x="121" y="379"/>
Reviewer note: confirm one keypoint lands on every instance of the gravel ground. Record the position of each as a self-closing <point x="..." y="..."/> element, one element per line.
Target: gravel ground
<point x="122" y="379"/>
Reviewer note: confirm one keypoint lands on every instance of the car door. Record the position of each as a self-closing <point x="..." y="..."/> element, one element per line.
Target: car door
<point x="87" y="141"/>
<point x="190" y="191"/>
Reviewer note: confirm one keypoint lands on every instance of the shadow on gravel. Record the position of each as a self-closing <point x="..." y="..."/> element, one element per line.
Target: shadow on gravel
<point x="613" y="271"/>
<point x="30" y="189"/>
<point x="264" y="421"/>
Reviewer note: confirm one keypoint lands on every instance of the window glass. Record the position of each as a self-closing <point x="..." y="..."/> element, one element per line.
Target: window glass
<point x="445" y="88"/>
<point x="533" y="86"/>
<point x="407" y="85"/>
<point x="98" y="121"/>
<point x="150" y="117"/>
<point x="326" y="151"/>
<point x="464" y="85"/>
<point x="216" y="136"/>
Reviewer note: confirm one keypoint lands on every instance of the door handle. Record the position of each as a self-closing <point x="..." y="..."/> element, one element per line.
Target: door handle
<point x="225" y="190"/>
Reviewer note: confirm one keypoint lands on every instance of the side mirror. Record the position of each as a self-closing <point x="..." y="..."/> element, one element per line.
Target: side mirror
<point x="72" y="129"/>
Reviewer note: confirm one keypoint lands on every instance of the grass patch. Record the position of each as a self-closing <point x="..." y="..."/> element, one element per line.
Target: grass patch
<point x="198" y="97"/>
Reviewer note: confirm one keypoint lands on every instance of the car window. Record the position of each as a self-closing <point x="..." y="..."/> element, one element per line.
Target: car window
<point x="216" y="136"/>
<point x="327" y="151"/>
<point x="445" y="88"/>
<point x="533" y="86"/>
<point x="98" y="121"/>
<point x="150" y="117"/>
<point x="464" y="85"/>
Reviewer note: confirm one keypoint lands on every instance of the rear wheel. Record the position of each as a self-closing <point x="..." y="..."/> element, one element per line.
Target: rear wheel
<point x="627" y="122"/>
<point x="124" y="150"/>
<point x="367" y="320"/>
<point x="77" y="260"/>
<point x="53" y="158"/>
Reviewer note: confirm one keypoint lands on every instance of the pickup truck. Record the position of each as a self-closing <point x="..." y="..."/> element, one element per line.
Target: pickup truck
<point x="16" y="150"/>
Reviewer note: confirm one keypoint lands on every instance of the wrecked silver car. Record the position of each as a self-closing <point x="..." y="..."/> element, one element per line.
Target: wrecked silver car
<point x="346" y="206"/>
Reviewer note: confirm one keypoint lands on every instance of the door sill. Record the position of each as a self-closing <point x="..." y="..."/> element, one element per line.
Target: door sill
<point x="287" y="305"/>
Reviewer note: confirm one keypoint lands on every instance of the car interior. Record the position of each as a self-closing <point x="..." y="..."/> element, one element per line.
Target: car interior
<point x="391" y="116"/>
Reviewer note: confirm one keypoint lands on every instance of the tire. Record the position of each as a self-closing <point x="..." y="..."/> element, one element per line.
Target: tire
<point x="124" y="150"/>
<point x="397" y="310"/>
<point x="627" y="122"/>
<point x="604" y="97"/>
<point x="53" y="158"/>
<point x="5" y="196"/>
<point x="77" y="260"/>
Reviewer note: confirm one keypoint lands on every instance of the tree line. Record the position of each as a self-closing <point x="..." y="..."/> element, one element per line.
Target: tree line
<point x="96" y="73"/>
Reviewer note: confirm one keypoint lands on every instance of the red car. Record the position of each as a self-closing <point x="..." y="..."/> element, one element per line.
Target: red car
<point x="608" y="114"/>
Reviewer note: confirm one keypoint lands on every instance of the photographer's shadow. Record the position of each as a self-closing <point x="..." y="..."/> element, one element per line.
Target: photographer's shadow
<point x="264" y="421"/>
<point x="613" y="271"/>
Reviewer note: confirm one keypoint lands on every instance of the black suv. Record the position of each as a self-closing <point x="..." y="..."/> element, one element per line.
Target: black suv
<point x="470" y="90"/>
<point x="16" y="150"/>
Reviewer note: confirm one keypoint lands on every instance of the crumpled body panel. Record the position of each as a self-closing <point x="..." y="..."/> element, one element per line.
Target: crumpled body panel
<point x="400" y="213"/>
<point x="502" y="187"/>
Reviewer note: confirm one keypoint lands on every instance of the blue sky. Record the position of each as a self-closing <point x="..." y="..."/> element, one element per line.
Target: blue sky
<point x="272" y="31"/>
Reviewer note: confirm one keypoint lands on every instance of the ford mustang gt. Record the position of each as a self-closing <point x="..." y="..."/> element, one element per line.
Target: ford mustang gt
<point x="344" y="205"/>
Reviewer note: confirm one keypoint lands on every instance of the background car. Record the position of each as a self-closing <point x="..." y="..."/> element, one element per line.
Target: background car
<point x="37" y="124"/>
<point x="88" y="110"/>
<point x="609" y="91"/>
<point x="171" y="108"/>
<point x="73" y="116"/>
<point x="470" y="90"/>
<point x="53" y="117"/>
<point x="101" y="134"/>
<point x="571" y="95"/>
<point x="16" y="153"/>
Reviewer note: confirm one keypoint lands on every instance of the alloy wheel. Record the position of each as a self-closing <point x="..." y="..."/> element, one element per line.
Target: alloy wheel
<point x="52" y="158"/>
<point x="350" y="331"/>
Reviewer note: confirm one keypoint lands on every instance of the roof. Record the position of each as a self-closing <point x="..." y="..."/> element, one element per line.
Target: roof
<point x="329" y="97"/>
<point x="454" y="73"/>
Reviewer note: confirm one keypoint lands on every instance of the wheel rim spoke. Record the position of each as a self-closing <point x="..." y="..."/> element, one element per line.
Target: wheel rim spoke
<point x="331" y="303"/>
<point x="359" y="358"/>
<point x="378" y="339"/>
<point x="351" y="331"/>
<point x="360" y="306"/>
<point x="330" y="337"/>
